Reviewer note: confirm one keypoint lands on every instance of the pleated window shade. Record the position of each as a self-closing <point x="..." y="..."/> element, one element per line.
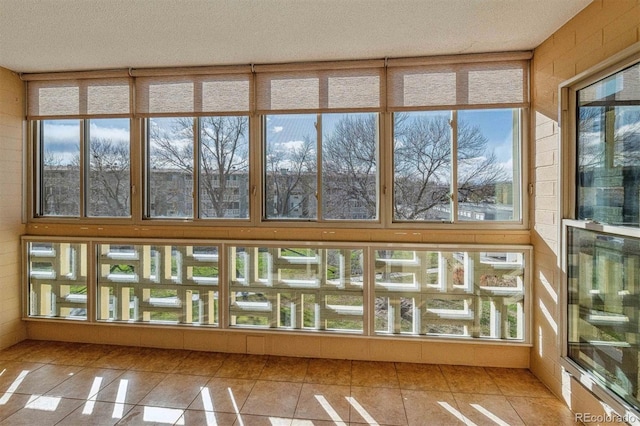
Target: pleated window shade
<point x="464" y="85"/>
<point x="193" y="95"/>
<point x="79" y="98"/>
<point x="319" y="90"/>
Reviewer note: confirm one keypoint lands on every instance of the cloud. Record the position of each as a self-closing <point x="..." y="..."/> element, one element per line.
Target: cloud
<point x="277" y="129"/>
<point x="115" y="134"/>
<point x="62" y="133"/>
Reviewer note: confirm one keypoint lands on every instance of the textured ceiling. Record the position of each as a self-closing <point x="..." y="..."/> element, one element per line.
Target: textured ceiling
<point x="61" y="35"/>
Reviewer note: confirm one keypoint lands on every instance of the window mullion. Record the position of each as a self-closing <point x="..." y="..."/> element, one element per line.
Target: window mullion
<point x="454" y="166"/>
<point x="84" y="169"/>
<point x="195" y="194"/>
<point x="38" y="166"/>
<point x="319" y="213"/>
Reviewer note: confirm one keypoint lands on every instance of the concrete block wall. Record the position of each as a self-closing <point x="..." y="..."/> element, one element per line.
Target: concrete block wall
<point x="12" y="329"/>
<point x="601" y="30"/>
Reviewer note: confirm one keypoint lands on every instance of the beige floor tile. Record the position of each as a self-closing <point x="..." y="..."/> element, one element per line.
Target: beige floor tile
<point x="96" y="413"/>
<point x="121" y="357"/>
<point x="372" y="373"/>
<point x="175" y="391"/>
<point x="201" y="363"/>
<point x="380" y="405"/>
<point x="85" y="383"/>
<point x="518" y="382"/>
<point x="266" y="390"/>
<point x="421" y="377"/>
<point x="46" y="378"/>
<point x="463" y="379"/>
<point x="13" y="353"/>
<point x="253" y="420"/>
<point x="130" y="387"/>
<point x="42" y="351"/>
<point x="269" y="398"/>
<point x="11" y="403"/>
<point x="42" y="410"/>
<point x="14" y="373"/>
<point x="329" y="371"/>
<point x="83" y="355"/>
<point x="323" y="402"/>
<point x="149" y="415"/>
<point x="206" y="418"/>
<point x="158" y="360"/>
<point x="487" y="409"/>
<point x="285" y="369"/>
<point x="242" y="366"/>
<point x="222" y="394"/>
<point x="431" y="408"/>
<point x="306" y="422"/>
<point x="542" y="411"/>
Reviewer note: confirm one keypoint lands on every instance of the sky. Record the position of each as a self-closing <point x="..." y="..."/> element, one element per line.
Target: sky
<point x="286" y="131"/>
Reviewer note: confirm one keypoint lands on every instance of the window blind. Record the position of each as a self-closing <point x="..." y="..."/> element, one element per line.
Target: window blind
<point x="109" y="97"/>
<point x="474" y="84"/>
<point x="318" y="90"/>
<point x="193" y="95"/>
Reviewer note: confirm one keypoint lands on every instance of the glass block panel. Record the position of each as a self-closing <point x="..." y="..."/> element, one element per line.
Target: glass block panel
<point x="175" y="284"/>
<point x="57" y="280"/>
<point x="296" y="288"/>
<point x="450" y="293"/>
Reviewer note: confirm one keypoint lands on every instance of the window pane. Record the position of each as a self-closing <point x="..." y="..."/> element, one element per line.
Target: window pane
<point x="171" y="167"/>
<point x="349" y="166"/>
<point x="603" y="286"/>
<point x="291" y="164"/>
<point x="488" y="173"/>
<point x="608" y="146"/>
<point x="224" y="167"/>
<point x="422" y="166"/>
<point x="109" y="168"/>
<point x="60" y="168"/>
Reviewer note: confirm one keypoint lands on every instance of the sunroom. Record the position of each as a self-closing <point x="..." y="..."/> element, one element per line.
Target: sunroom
<point x="261" y="187"/>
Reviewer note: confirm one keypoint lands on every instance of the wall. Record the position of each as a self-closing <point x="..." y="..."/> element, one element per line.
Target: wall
<point x="601" y="30"/>
<point x="12" y="329"/>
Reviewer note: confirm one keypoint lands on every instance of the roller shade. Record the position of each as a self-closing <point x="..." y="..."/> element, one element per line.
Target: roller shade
<point x="320" y="90"/>
<point x="452" y="85"/>
<point x="79" y="98"/>
<point x="193" y="95"/>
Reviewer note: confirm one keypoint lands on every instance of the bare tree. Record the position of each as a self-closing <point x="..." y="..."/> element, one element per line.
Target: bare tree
<point x="60" y="185"/>
<point x="109" y="178"/>
<point x="291" y="180"/>
<point x="223" y="154"/>
<point x="422" y="165"/>
<point x="349" y="169"/>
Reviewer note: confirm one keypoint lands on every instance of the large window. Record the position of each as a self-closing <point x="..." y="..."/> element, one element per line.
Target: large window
<point x="218" y="184"/>
<point x="457" y="161"/>
<point x="602" y="244"/>
<point x="377" y="143"/>
<point x="321" y="166"/>
<point x="85" y="168"/>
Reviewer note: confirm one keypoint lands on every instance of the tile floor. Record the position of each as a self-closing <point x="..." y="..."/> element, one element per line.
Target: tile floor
<point x="53" y="383"/>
